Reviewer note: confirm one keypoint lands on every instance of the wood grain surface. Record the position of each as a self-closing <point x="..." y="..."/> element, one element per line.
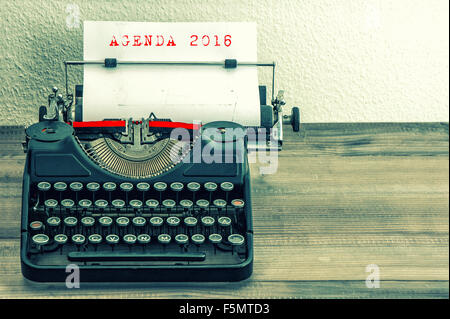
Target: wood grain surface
<point x="344" y="196"/>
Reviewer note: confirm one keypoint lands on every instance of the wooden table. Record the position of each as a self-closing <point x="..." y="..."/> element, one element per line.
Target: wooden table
<point x="345" y="196"/>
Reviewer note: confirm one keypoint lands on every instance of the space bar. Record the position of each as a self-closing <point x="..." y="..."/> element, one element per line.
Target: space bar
<point x="122" y="256"/>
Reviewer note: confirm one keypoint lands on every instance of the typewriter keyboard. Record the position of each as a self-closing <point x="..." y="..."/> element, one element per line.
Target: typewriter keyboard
<point x="136" y="223"/>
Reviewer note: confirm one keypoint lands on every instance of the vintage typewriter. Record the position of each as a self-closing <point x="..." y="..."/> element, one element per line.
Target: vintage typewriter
<point x="125" y="201"/>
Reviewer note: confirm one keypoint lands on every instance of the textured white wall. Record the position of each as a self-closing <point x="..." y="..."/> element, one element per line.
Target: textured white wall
<point x="340" y="61"/>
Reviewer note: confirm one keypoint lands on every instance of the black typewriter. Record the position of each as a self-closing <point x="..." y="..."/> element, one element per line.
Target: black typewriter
<point x="126" y="201"/>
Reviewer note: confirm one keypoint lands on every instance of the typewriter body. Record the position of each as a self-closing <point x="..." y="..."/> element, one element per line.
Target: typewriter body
<point x="126" y="201"/>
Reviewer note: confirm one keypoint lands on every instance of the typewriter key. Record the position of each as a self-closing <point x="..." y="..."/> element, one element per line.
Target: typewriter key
<point x="156" y="221"/>
<point x="176" y="186"/>
<point x="190" y="221"/>
<point x="109" y="186"/>
<point x="202" y="203"/>
<point x="168" y="203"/>
<point x="173" y="221"/>
<point x="224" y="221"/>
<point x="40" y="240"/>
<point x="237" y="203"/>
<point x="160" y="186"/>
<point x="101" y="204"/>
<point x="126" y="187"/>
<point x="53" y="221"/>
<point x="93" y="186"/>
<point x="88" y="221"/>
<point x="129" y="239"/>
<point x="215" y="238"/>
<point x="76" y="186"/>
<point x="85" y="204"/>
<point x="152" y="203"/>
<point x="143" y="187"/>
<point x="207" y="221"/>
<point x="60" y="186"/>
<point x="70" y="221"/>
<point x="236" y="239"/>
<point x="143" y="239"/>
<point x="135" y="204"/>
<point x="122" y="221"/>
<point x="78" y="239"/>
<point x="60" y="239"/>
<point x="44" y="186"/>
<point x="164" y="239"/>
<point x="50" y="203"/>
<point x="138" y="221"/>
<point x="220" y="203"/>
<point x="227" y="186"/>
<point x="181" y="239"/>
<point x="210" y="186"/>
<point x="118" y="203"/>
<point x="36" y="226"/>
<point x="193" y="186"/>
<point x="67" y="203"/>
<point x="186" y="204"/>
<point x="112" y="240"/>
<point x="95" y="239"/>
<point x="105" y="221"/>
<point x="198" y="239"/>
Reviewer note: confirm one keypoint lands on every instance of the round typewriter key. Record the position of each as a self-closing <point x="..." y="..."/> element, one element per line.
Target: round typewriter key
<point x="190" y="221"/>
<point x="173" y="221"/>
<point x="215" y="238"/>
<point x="152" y="203"/>
<point x="156" y="221"/>
<point x="88" y="221"/>
<point x="193" y="186"/>
<point x="226" y="186"/>
<point x="207" y="221"/>
<point x="101" y="203"/>
<point x="224" y="221"/>
<point x="76" y="186"/>
<point x="176" y="186"/>
<point x="143" y="239"/>
<point x="67" y="203"/>
<point x="198" y="239"/>
<point x="60" y="186"/>
<point x="122" y="221"/>
<point x="70" y="221"/>
<point x="53" y="221"/>
<point x="36" y="225"/>
<point x="78" y="239"/>
<point x="126" y="187"/>
<point x="160" y="186"/>
<point x="105" y="221"/>
<point x="118" y="203"/>
<point x="168" y="203"/>
<point x="237" y="203"/>
<point x="135" y="203"/>
<point x="181" y="239"/>
<point x="236" y="239"/>
<point x="60" y="239"/>
<point x="93" y="186"/>
<point x="109" y="186"/>
<point x="112" y="239"/>
<point x="85" y="203"/>
<point x="210" y="186"/>
<point x="143" y="187"/>
<point x="202" y="203"/>
<point x="51" y="203"/>
<point x="44" y="186"/>
<point x="164" y="239"/>
<point x="220" y="203"/>
<point x="129" y="239"/>
<point x="138" y="221"/>
<point x="95" y="239"/>
<point x="40" y="239"/>
<point x="186" y="204"/>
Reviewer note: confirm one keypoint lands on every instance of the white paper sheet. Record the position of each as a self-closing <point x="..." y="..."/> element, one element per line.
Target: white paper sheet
<point x="182" y="93"/>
